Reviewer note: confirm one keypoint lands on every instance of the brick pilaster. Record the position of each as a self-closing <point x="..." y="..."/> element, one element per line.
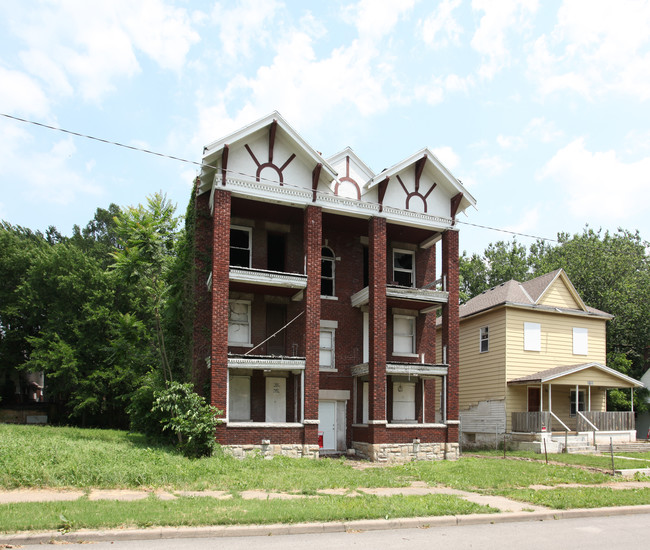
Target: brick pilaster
<point x="220" y="285"/>
<point x="377" y="314"/>
<point x="450" y="323"/>
<point x="202" y="297"/>
<point x="313" y="222"/>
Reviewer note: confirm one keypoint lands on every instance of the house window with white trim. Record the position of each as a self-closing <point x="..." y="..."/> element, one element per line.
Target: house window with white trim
<point x="326" y="349"/>
<point x="239" y="323"/>
<point x="532" y="337"/>
<point x="240" y="246"/>
<point x="404" y="267"/>
<point x="404" y="335"/>
<point x="484" y="341"/>
<point x="581" y="402"/>
<point x="327" y="265"/>
<point x="580" y="341"/>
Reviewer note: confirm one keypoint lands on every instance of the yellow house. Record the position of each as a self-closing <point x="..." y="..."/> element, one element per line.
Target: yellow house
<point x="532" y="364"/>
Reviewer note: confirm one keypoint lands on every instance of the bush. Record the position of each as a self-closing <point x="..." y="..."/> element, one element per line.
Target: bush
<point x="189" y="417"/>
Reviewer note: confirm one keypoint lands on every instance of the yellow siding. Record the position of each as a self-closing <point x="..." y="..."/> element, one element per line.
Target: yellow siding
<point x="598" y="377"/>
<point x="556" y="341"/>
<point x="558" y="295"/>
<point x="482" y="375"/>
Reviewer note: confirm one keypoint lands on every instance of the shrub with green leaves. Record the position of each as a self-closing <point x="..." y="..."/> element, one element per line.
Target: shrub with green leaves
<point x="189" y="417"/>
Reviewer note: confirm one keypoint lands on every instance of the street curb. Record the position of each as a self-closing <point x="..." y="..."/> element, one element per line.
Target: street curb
<point x="88" y="535"/>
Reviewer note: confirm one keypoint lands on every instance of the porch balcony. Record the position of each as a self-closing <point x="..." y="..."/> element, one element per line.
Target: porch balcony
<point x="264" y="281"/>
<point x="421" y="299"/>
<point x="543" y="421"/>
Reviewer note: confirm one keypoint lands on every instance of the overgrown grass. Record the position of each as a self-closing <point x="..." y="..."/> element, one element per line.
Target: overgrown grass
<point x="70" y="457"/>
<point x="188" y="511"/>
<point x="480" y="474"/>
<point x="46" y="456"/>
<point x="603" y="461"/>
<point x="581" y="497"/>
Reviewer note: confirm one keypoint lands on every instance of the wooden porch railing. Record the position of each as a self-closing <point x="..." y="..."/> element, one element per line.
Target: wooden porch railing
<point x="611" y="421"/>
<point x="531" y="422"/>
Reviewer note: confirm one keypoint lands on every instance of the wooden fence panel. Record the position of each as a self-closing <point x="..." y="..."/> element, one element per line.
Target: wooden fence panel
<point x="610" y="421"/>
<point x="531" y="422"/>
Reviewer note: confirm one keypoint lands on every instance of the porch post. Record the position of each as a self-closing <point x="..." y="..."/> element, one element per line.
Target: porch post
<point x="589" y="406"/>
<point x="632" y="399"/>
<point x="577" y="403"/>
<point x="541" y="398"/>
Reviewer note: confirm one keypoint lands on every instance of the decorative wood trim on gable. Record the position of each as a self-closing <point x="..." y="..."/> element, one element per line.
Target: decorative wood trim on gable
<point x="419" y="168"/>
<point x="455" y="203"/>
<point x="315" y="176"/>
<point x="272" y="129"/>
<point x="224" y="163"/>
<point x="383" y="185"/>
<point x="348" y="179"/>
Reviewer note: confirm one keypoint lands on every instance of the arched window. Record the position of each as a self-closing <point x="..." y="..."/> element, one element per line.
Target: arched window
<point x="327" y="271"/>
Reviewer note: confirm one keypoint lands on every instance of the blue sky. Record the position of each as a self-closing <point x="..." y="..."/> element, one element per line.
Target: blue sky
<point x="540" y="108"/>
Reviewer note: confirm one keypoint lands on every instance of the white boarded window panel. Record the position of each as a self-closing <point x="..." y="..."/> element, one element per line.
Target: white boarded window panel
<point x="326" y="355"/>
<point x="276" y="399"/>
<point x="580" y="341"/>
<point x="239" y="323"/>
<point x="403" y="334"/>
<point x="403" y="401"/>
<point x="240" y="398"/>
<point x="532" y="337"/>
<point x="364" y="405"/>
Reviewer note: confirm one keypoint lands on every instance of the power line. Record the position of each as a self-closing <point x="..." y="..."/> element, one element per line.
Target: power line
<point x="204" y="165"/>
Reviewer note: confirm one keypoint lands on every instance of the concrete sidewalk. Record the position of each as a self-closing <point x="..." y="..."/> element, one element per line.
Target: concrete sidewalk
<point x="510" y="511"/>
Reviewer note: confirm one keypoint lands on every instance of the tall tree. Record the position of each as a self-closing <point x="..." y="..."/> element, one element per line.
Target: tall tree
<point x="146" y="241"/>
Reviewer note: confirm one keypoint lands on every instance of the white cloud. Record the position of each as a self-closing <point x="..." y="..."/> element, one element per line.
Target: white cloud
<point x="243" y="25"/>
<point x="510" y="142"/>
<point x="440" y="29"/>
<point x="447" y="156"/>
<point x="594" y="48"/>
<point x="493" y="166"/>
<point x="300" y="86"/>
<point x="543" y="130"/>
<point x="599" y="186"/>
<point x="87" y="46"/>
<point x="19" y="93"/>
<point x="375" y="19"/>
<point x="499" y="19"/>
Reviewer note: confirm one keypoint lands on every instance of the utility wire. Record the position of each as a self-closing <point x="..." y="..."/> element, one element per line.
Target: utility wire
<point x="204" y="165"/>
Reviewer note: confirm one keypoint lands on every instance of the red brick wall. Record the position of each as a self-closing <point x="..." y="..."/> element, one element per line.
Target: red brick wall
<point x="450" y="326"/>
<point x="202" y="297"/>
<point x="220" y="285"/>
<point x="377" y="311"/>
<point x="312" y="242"/>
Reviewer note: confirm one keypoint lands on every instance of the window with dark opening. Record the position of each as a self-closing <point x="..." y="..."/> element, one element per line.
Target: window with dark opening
<point x="327" y="272"/>
<point x="404" y="267"/>
<point x="275" y="249"/>
<point x="240" y="246"/>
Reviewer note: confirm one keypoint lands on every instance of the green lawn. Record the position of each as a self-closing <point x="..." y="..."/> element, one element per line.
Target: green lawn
<point x="45" y="456"/>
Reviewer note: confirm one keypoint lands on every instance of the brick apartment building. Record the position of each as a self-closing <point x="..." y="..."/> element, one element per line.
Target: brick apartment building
<point x="317" y="295"/>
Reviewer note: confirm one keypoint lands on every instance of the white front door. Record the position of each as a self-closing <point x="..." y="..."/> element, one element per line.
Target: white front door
<point x="327" y="424"/>
<point x="276" y="399"/>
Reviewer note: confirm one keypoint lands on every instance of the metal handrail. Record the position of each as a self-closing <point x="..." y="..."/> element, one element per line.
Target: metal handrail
<point x="563" y="424"/>
<point x="589" y="421"/>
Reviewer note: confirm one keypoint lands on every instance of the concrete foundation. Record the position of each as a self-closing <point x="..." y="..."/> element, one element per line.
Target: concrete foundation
<point x="405" y="452"/>
<point x="269" y="451"/>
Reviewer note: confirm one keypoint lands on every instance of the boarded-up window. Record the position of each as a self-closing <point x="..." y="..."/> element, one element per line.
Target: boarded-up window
<point x="580" y="341"/>
<point x="239" y="322"/>
<point x="403" y="401"/>
<point x="403" y="334"/>
<point x="326" y="349"/>
<point x="276" y="399"/>
<point x="532" y="337"/>
<point x="239" y="400"/>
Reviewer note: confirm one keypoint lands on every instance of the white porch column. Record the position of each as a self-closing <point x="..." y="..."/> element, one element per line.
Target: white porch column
<point x="632" y="399"/>
<point x="550" y="409"/>
<point x="577" y="401"/>
<point x="541" y="398"/>
<point x="589" y="406"/>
